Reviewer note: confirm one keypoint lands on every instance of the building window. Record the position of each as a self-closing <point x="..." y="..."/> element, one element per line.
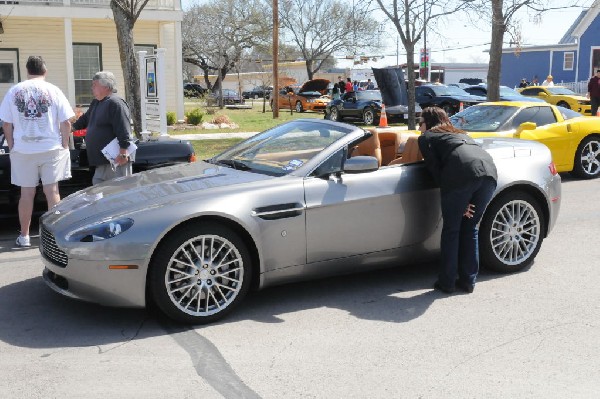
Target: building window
<point x="148" y="48"/>
<point x="568" y="61"/>
<point x="86" y="62"/>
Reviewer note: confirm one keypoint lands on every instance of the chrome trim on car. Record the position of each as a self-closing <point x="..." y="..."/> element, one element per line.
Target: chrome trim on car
<point x="50" y="250"/>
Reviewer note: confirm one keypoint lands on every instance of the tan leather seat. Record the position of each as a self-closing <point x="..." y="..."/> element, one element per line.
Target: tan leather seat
<point x="411" y="152"/>
<point x="370" y="147"/>
<point x="389" y="141"/>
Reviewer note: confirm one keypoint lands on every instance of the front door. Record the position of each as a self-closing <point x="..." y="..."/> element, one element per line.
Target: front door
<point x="9" y="71"/>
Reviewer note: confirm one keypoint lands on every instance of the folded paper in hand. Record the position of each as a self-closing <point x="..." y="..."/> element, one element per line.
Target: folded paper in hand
<point x="111" y="151"/>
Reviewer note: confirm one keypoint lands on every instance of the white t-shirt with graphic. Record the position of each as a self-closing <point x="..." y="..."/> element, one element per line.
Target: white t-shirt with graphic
<point x="35" y="108"/>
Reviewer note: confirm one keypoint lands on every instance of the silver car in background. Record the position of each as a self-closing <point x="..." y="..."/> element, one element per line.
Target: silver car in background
<point x="288" y="204"/>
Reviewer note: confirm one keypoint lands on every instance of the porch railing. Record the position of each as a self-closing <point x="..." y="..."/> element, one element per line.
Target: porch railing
<point x="152" y="4"/>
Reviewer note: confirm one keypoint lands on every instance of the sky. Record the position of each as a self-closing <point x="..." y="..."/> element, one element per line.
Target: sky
<point x="459" y="41"/>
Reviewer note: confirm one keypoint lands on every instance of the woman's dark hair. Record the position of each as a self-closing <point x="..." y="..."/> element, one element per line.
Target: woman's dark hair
<point x="436" y="120"/>
<point x="35" y="66"/>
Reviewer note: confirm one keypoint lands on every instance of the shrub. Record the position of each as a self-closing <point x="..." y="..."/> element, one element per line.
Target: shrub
<point x="218" y="119"/>
<point x="194" y="117"/>
<point x="171" y="118"/>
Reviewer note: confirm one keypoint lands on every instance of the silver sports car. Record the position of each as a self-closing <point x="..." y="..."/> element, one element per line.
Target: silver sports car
<point x="300" y="200"/>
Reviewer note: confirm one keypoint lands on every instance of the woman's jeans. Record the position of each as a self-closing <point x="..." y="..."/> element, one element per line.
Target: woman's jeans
<point x="459" y="244"/>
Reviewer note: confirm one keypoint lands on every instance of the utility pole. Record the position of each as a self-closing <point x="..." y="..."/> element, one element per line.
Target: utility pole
<point x="275" y="94"/>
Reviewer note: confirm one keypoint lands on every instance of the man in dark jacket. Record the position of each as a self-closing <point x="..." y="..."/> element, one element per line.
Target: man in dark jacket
<point x="106" y="119"/>
<point x="467" y="178"/>
<point x="594" y="92"/>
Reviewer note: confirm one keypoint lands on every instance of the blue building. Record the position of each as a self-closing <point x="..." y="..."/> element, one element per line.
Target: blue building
<point x="571" y="62"/>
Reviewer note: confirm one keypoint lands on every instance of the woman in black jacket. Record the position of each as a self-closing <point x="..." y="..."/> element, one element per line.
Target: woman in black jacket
<point x="467" y="178"/>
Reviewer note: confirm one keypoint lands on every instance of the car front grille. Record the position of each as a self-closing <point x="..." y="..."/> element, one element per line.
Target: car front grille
<point x="51" y="251"/>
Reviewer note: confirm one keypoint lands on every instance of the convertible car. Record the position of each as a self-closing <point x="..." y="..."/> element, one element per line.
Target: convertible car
<point x="573" y="139"/>
<point x="560" y="96"/>
<point x="297" y="201"/>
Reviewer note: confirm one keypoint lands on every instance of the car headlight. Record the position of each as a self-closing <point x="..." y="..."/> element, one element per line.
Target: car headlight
<point x="100" y="231"/>
<point x="310" y="100"/>
<point x="583" y="102"/>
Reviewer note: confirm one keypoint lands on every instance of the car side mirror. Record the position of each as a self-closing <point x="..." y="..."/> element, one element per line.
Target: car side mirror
<point x="361" y="164"/>
<point x="525" y="126"/>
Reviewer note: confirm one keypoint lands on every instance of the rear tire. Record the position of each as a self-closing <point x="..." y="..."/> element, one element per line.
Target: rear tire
<point x="368" y="116"/>
<point x="511" y="232"/>
<point x="587" y="158"/>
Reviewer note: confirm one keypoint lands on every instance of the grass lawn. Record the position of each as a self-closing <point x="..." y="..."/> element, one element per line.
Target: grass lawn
<point x="248" y="120"/>
<point x="208" y="148"/>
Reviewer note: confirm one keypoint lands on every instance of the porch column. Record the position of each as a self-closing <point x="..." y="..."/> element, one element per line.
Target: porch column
<point x="69" y="60"/>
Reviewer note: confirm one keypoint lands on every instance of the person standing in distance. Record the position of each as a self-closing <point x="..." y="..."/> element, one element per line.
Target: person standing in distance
<point x="549" y="82"/>
<point x="36" y="127"/>
<point x="107" y="118"/>
<point x="593" y="92"/>
<point x="467" y="178"/>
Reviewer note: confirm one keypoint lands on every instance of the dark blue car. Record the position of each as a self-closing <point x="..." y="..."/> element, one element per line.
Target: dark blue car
<point x="449" y="98"/>
<point x="506" y="93"/>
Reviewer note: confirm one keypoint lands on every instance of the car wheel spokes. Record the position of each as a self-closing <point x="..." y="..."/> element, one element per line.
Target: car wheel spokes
<point x="204" y="275"/>
<point x="515" y="232"/>
<point x="590" y="158"/>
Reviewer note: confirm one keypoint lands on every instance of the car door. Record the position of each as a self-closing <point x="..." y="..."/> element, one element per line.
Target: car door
<point x="353" y="214"/>
<point x="556" y="136"/>
<point x="349" y="105"/>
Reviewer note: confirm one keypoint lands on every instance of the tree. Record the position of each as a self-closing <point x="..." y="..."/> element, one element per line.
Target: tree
<point x="503" y="20"/>
<point x="411" y="18"/>
<point x="126" y="13"/>
<point x="216" y="34"/>
<point x="321" y="27"/>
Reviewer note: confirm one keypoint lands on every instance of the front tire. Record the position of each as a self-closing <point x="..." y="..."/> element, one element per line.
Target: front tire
<point x="200" y="273"/>
<point x="511" y="232"/>
<point x="334" y="114"/>
<point x="563" y="104"/>
<point x="587" y="158"/>
<point x="299" y="107"/>
<point x="448" y="108"/>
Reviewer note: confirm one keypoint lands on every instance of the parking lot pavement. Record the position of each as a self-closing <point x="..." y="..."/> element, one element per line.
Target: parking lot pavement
<point x="383" y="334"/>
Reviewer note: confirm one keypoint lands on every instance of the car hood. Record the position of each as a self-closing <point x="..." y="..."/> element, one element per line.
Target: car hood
<point x="319" y="85"/>
<point x="148" y="189"/>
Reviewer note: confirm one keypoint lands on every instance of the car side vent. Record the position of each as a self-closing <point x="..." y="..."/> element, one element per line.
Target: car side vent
<point x="278" y="211"/>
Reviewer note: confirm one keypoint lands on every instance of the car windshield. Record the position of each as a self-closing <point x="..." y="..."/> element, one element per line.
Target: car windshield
<point x="448" y="91"/>
<point x="282" y="149"/>
<point x="373" y="95"/>
<point x="561" y="91"/>
<point x="483" y="118"/>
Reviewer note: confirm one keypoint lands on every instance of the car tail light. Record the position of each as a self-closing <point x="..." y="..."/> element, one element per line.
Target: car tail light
<point x="79" y="133"/>
<point x="552" y="168"/>
<point x="193" y="157"/>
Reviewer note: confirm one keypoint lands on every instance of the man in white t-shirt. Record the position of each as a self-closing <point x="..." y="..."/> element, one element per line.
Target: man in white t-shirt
<point x="36" y="127"/>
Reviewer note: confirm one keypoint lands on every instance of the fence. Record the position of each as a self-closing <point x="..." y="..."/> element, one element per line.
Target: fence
<point x="577" y="87"/>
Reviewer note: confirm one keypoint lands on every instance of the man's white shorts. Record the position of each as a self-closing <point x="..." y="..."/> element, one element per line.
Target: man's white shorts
<point x="26" y="170"/>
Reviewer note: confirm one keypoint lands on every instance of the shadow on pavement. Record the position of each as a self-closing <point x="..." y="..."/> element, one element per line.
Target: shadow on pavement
<point x="33" y="316"/>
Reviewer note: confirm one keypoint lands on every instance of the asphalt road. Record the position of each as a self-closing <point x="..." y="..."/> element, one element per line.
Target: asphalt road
<point x="386" y="334"/>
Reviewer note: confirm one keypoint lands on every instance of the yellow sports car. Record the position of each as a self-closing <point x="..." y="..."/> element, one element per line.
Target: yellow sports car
<point x="574" y="140"/>
<point x="560" y="96"/>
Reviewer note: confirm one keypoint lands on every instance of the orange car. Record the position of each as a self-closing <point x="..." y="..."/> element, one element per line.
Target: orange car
<point x="312" y="96"/>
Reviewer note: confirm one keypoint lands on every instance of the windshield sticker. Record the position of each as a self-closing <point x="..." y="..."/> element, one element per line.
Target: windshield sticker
<point x="293" y="164"/>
